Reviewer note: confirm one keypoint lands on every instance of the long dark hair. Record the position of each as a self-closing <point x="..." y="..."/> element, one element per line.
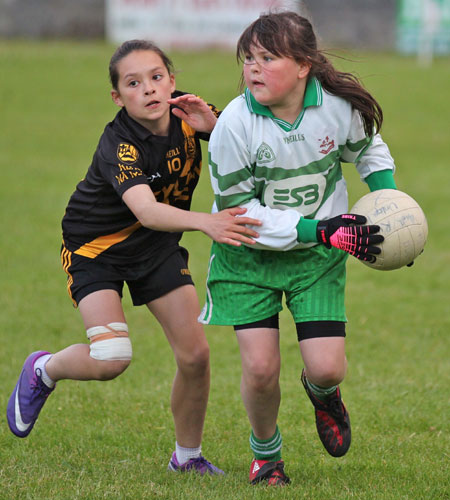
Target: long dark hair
<point x="128" y="47"/>
<point x="291" y="35"/>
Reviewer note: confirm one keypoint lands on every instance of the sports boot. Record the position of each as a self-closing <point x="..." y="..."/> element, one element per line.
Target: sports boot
<point x="332" y="421"/>
<point x="199" y="465"/>
<point x="272" y="472"/>
<point x="28" y="397"/>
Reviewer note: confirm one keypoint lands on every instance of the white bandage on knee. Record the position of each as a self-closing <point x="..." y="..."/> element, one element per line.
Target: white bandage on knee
<point x="110" y="342"/>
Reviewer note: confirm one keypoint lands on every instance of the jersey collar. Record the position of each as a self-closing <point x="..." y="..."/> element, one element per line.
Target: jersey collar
<point x="313" y="97"/>
<point x="136" y="128"/>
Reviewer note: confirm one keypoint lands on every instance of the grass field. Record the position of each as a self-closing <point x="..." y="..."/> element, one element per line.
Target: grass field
<point x="113" y="440"/>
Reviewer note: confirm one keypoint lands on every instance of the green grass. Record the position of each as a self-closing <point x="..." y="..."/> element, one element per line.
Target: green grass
<point x="113" y="440"/>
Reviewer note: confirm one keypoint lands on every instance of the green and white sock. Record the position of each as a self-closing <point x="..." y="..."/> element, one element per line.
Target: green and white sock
<point x="321" y="392"/>
<point x="267" y="449"/>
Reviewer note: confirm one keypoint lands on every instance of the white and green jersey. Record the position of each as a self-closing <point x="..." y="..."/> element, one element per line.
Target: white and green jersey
<point x="281" y="171"/>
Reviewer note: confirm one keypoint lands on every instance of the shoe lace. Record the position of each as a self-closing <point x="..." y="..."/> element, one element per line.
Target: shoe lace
<point x="200" y="463"/>
<point x="37" y="385"/>
<point x="336" y="409"/>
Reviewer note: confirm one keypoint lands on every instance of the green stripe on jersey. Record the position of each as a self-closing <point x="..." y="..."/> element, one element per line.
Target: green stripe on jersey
<point x="232" y="194"/>
<point x="357" y="146"/>
<point x="231" y="179"/>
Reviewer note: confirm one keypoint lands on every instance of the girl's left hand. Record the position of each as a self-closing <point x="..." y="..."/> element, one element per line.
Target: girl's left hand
<point x="231" y="227"/>
<point x="194" y="111"/>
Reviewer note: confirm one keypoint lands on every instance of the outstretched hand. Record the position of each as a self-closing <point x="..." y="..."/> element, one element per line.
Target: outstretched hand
<point x="194" y="111"/>
<point x="228" y="226"/>
<point x="347" y="233"/>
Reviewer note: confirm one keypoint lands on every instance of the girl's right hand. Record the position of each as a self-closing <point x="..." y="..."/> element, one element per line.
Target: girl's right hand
<point x="194" y="111"/>
<point x="228" y="226"/>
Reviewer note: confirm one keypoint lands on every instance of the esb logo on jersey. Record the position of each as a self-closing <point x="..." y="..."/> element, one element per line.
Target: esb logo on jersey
<point x="303" y="193"/>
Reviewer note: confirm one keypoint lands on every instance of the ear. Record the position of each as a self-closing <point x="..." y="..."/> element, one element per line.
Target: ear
<point x="116" y="98"/>
<point x="172" y="83"/>
<point x="303" y="69"/>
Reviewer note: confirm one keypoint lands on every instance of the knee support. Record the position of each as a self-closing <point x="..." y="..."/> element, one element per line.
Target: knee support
<point x="110" y="342"/>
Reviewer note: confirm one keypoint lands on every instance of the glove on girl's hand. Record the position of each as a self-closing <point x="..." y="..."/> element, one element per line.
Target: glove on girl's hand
<point x="347" y="233"/>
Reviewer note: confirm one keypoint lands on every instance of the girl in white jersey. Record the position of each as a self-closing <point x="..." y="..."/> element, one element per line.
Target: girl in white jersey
<point x="277" y="151"/>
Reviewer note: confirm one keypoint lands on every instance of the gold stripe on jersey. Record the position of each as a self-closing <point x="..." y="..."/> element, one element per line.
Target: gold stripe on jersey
<point x="66" y="261"/>
<point x="95" y="247"/>
<point x="189" y="147"/>
<point x="191" y="151"/>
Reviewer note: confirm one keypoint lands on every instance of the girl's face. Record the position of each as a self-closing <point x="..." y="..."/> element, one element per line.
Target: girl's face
<point x="275" y="81"/>
<point x="144" y="87"/>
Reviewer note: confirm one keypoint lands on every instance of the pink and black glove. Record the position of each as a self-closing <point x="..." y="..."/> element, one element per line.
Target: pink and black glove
<point x="347" y="233"/>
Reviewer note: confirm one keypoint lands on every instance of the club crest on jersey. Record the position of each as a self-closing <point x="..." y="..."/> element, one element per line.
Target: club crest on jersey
<point x="127" y="153"/>
<point x="326" y="145"/>
<point x="265" y="154"/>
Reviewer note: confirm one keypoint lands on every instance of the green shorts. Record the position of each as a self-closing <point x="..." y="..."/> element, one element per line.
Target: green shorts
<point x="246" y="285"/>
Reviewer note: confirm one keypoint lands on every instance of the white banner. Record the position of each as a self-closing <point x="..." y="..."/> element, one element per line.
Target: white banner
<point x="423" y="27"/>
<point x="185" y="23"/>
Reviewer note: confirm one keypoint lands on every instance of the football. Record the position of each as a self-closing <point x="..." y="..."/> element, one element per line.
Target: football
<point x="402" y="223"/>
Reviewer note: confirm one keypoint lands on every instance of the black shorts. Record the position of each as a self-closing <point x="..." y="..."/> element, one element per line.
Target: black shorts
<point x="305" y="330"/>
<point x="146" y="280"/>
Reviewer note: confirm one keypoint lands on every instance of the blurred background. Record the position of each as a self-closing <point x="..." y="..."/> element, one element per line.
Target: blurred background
<point x="407" y="26"/>
<point x="54" y="104"/>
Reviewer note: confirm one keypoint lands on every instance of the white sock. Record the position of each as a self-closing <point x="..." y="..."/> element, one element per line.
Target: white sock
<point x="185" y="454"/>
<point x="40" y="363"/>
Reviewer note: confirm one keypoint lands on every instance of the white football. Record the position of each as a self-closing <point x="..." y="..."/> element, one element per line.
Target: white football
<point x="402" y="223"/>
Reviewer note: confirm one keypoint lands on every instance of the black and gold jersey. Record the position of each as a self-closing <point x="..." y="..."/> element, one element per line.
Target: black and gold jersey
<point x="97" y="223"/>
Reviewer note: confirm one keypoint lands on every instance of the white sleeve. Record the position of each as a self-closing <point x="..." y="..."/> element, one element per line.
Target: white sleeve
<point x="369" y="155"/>
<point x="375" y="158"/>
<point x="278" y="230"/>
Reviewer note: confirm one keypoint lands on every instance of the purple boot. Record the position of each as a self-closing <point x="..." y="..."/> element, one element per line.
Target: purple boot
<point x="28" y="397"/>
<point x="199" y="464"/>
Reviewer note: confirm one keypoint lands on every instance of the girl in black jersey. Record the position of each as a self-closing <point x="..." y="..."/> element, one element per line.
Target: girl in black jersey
<point x="123" y="224"/>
